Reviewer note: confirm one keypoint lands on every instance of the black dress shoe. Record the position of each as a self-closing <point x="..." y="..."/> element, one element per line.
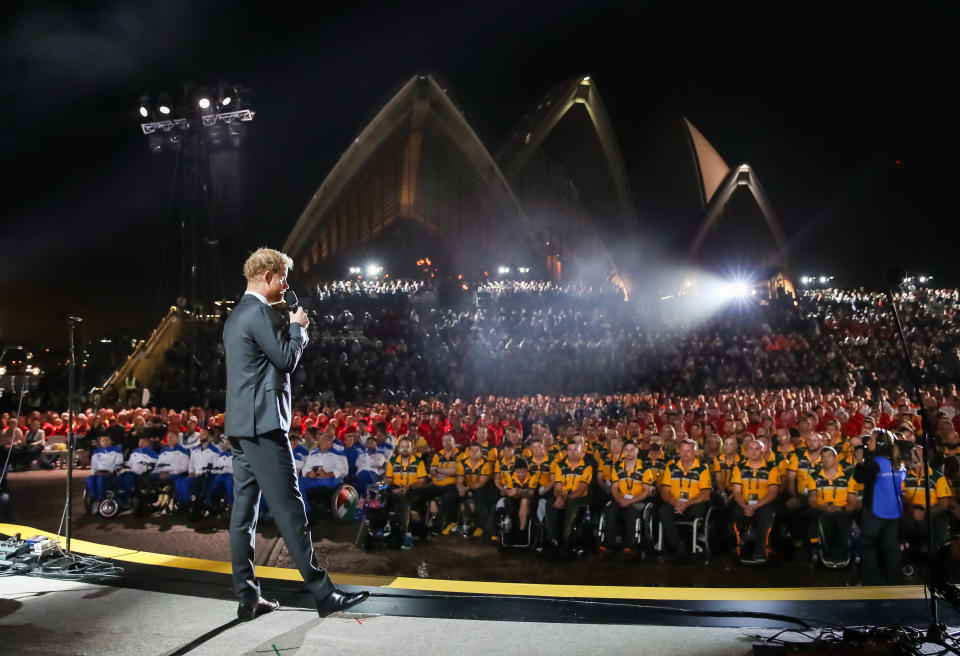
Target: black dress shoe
<point x="247" y="612"/>
<point x="339" y="600"/>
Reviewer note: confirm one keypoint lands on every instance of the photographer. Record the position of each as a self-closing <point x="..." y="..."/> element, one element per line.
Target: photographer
<point x="881" y="474"/>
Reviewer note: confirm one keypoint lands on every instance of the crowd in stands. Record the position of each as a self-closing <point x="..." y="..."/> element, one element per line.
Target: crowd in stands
<point x="556" y="400"/>
<point x="381" y="341"/>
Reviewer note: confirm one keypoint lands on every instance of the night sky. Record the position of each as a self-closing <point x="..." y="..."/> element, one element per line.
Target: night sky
<point x="823" y="102"/>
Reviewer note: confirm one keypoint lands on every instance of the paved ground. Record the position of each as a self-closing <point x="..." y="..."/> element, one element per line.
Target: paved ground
<point x="38" y="501"/>
<point x="41" y="617"/>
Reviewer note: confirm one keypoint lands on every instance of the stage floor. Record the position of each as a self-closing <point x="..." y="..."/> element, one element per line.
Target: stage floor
<point x="173" y="605"/>
<point x="42" y="617"/>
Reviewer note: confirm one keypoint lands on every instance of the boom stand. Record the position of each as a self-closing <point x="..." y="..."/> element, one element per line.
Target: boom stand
<point x="936" y="631"/>
<point x="70" y="434"/>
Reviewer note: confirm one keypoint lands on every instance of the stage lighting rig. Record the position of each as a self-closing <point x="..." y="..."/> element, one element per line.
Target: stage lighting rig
<point x="195" y="111"/>
<point x="202" y="125"/>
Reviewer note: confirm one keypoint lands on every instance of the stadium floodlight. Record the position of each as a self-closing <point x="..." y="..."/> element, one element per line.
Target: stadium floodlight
<point x="225" y="94"/>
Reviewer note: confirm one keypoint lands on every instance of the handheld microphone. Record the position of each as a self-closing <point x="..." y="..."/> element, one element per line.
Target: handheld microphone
<point x="290" y="298"/>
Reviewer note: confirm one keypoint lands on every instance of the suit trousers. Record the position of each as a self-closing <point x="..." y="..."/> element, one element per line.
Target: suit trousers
<point x="265" y="464"/>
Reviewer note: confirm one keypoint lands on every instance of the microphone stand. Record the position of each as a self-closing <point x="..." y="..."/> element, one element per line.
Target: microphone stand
<point x="71" y="438"/>
<point x="937" y="631"/>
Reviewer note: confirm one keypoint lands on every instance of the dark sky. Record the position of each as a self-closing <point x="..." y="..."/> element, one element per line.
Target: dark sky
<point x="822" y="102"/>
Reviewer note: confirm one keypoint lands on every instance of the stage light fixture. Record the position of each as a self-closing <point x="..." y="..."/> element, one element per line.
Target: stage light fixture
<point x="734" y="289"/>
<point x="174" y="140"/>
<point x="504" y="270"/>
<point x="144" y="112"/>
<point x="373" y="270"/>
<point x="204" y="103"/>
<point x="155" y="142"/>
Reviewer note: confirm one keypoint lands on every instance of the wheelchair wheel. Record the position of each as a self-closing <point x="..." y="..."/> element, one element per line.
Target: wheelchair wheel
<point x="716" y="538"/>
<point x="108" y="508"/>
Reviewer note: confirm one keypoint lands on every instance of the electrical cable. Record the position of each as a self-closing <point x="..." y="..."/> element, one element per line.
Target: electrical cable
<point x="593" y="602"/>
<point x="23" y="389"/>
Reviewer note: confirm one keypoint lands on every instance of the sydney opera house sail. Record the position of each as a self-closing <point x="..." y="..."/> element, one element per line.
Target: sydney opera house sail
<point x="735" y="229"/>
<point x="565" y="166"/>
<point x="417" y="185"/>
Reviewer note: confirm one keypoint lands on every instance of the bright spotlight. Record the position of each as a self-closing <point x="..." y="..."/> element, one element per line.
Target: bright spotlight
<point x="204" y="103"/>
<point x="504" y="270"/>
<point x="735" y="289"/>
<point x="226" y="101"/>
<point x="164" y="109"/>
<point x="923" y="279"/>
<point x="144" y="112"/>
<point x="823" y="280"/>
<point x="805" y="280"/>
<point x="373" y="270"/>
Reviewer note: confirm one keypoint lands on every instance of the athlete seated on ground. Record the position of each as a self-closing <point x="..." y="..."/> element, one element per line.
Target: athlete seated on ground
<point x="473" y="482"/>
<point x="630" y="494"/>
<point x="685" y="490"/>
<point x="406" y="474"/>
<point x="756" y="484"/>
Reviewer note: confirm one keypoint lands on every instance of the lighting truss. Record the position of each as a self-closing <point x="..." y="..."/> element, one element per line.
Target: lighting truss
<point x="242" y="115"/>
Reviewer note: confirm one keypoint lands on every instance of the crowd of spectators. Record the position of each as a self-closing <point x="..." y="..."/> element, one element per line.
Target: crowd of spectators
<point x="375" y="340"/>
<point x="576" y="364"/>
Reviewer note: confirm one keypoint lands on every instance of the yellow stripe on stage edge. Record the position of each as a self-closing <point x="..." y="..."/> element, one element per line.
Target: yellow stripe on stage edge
<point x="493" y="587"/>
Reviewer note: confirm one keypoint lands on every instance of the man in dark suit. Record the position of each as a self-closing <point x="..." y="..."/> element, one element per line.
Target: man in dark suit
<point x="262" y="349"/>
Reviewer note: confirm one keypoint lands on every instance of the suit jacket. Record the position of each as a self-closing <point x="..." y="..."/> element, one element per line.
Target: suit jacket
<point x="262" y="349"/>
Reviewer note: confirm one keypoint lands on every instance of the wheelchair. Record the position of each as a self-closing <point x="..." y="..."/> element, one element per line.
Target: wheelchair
<point x="197" y="507"/>
<point x="509" y="535"/>
<point x="379" y="523"/>
<point x="582" y="535"/>
<point x="745" y="541"/>
<point x="642" y="528"/>
<point x="113" y="501"/>
<point x="706" y="533"/>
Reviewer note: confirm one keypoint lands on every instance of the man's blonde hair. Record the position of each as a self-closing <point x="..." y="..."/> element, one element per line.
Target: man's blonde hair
<point x="263" y="260"/>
